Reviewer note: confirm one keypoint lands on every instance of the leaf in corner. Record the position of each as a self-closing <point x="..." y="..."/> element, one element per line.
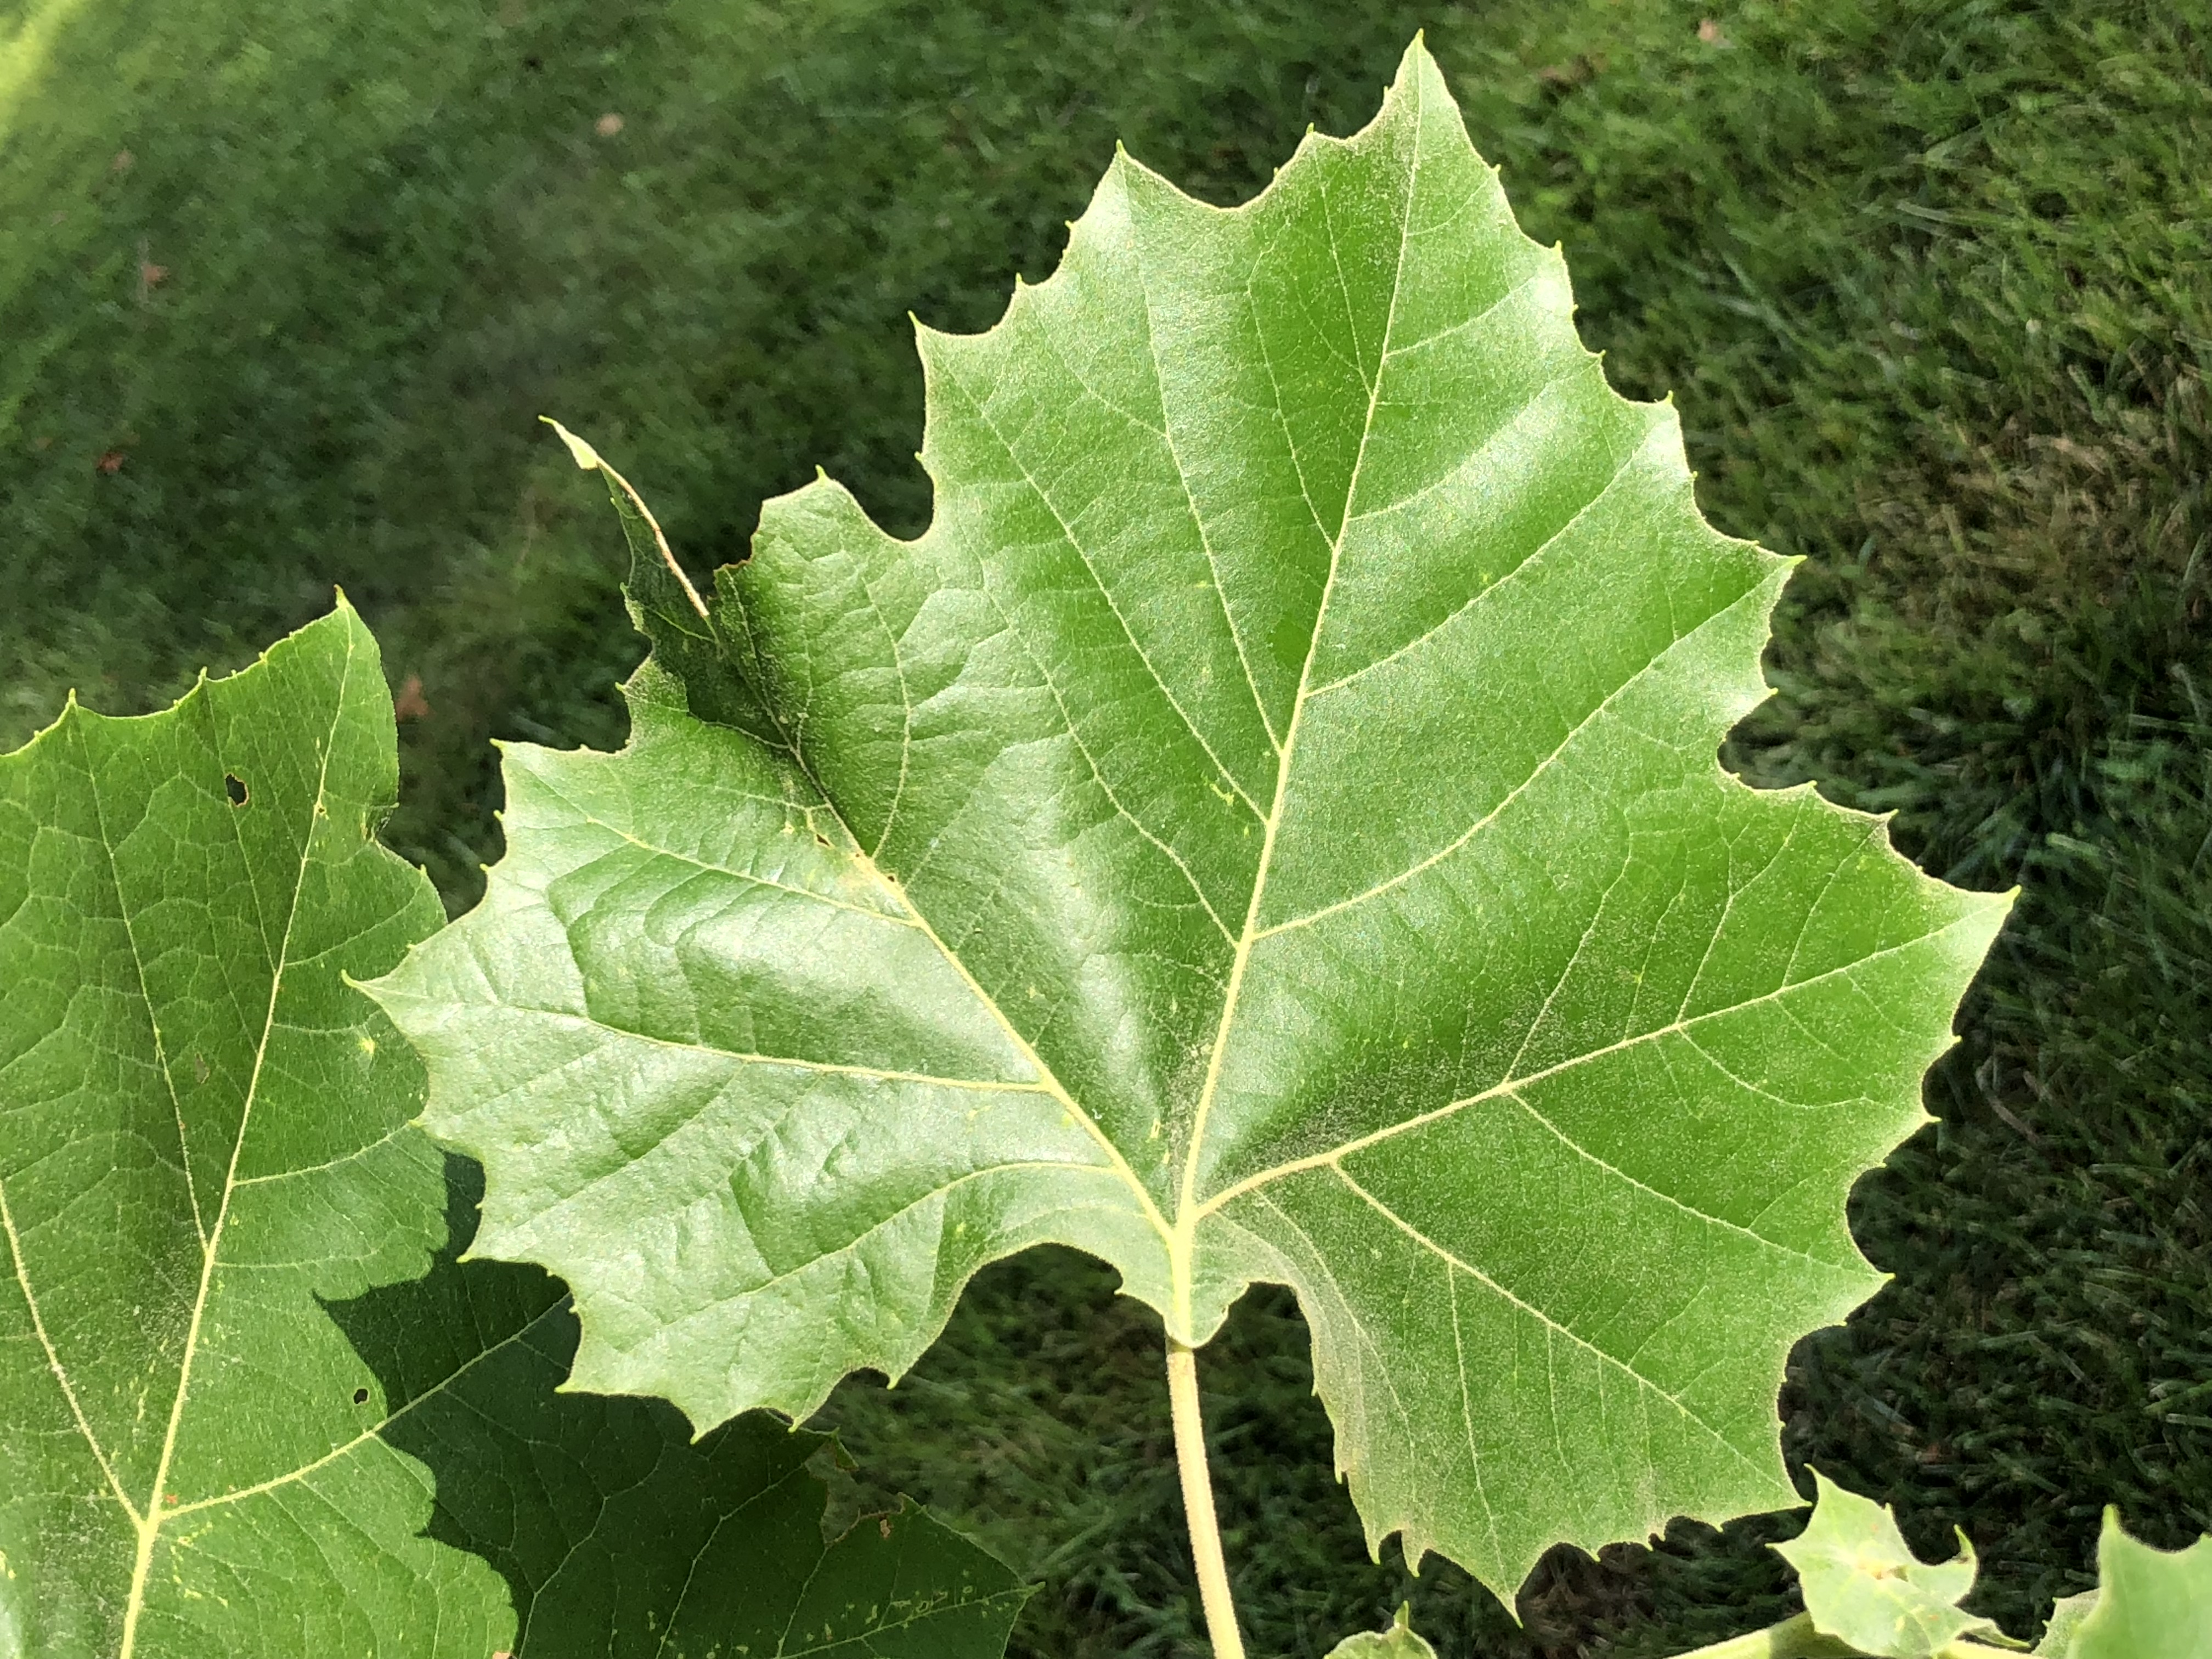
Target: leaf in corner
<point x="1268" y="828"/>
<point x="1864" y="1586"/>
<point x="2149" y="1603"/>
<point x="228" y="1394"/>
<point x="1400" y="1641"/>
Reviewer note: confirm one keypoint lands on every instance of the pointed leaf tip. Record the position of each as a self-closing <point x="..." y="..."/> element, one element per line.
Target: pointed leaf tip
<point x="587" y="457"/>
<point x="1863" y="1586"/>
<point x="1400" y="1641"/>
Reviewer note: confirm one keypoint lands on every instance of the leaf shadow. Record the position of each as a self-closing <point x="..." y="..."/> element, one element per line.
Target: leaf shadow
<point x="602" y="1514"/>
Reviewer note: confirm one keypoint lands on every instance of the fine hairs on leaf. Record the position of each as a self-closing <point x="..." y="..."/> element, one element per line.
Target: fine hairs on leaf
<point x="1268" y="828"/>
<point x="251" y="1403"/>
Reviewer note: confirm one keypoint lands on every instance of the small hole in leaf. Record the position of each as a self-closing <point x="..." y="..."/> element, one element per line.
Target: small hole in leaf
<point x="823" y="839"/>
<point x="361" y="1396"/>
<point x="235" y="787"/>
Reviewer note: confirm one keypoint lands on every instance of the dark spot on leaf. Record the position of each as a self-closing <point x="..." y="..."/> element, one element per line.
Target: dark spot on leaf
<point x="533" y="62"/>
<point x="361" y="1396"/>
<point x="235" y="787"/>
<point x="821" y="838"/>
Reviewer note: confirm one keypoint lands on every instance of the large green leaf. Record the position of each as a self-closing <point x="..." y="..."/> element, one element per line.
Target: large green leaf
<point x="1268" y="827"/>
<point x="218" y="1434"/>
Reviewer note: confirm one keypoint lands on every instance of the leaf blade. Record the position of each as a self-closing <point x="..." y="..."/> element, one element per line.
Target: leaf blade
<point x="1864" y="1587"/>
<point x="2149" y="1603"/>
<point x="191" y="885"/>
<point x="239" y="1417"/>
<point x="1298" y="729"/>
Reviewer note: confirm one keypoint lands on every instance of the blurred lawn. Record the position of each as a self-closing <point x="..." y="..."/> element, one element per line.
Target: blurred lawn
<point x="282" y="288"/>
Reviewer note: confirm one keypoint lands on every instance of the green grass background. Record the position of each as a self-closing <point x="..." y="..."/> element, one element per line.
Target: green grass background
<point x="1931" y="283"/>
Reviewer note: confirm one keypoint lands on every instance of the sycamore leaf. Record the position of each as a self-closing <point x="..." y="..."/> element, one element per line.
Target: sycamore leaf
<point x="1864" y="1586"/>
<point x="222" y="1417"/>
<point x="1400" y="1641"/>
<point x="2065" y="1623"/>
<point x="1268" y="828"/>
<point x="2149" y="1603"/>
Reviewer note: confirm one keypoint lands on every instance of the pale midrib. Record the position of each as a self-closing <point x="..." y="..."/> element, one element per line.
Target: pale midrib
<point x="1467" y="1419"/>
<point x="1045" y="1073"/>
<point x="933" y="1610"/>
<point x="328" y="1163"/>
<point x="783" y="1637"/>
<point x="151" y="1522"/>
<point x="785" y="1650"/>
<point x="1541" y="769"/>
<point x="1533" y="560"/>
<point x="1098" y="776"/>
<point x="1182" y="1245"/>
<point x="906" y="716"/>
<point x="989" y="1171"/>
<point x="183" y="1156"/>
<point x="708" y="868"/>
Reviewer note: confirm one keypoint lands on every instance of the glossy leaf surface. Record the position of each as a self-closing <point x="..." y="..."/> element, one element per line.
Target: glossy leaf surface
<point x="1268" y="828"/>
<point x="234" y="1416"/>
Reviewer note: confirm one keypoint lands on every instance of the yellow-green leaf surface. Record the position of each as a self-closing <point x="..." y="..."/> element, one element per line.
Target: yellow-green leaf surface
<point x="1268" y="828"/>
<point x="236" y="1419"/>
<point x="2149" y="1603"/>
<point x="1400" y="1641"/>
<point x="1864" y="1586"/>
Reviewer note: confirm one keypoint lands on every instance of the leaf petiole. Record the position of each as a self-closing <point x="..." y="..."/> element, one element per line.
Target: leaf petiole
<point x="1198" y="1502"/>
